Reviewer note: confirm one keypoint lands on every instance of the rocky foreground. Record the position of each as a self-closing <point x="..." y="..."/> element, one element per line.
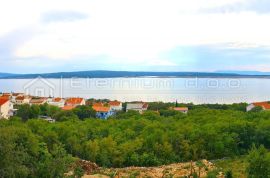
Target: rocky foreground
<point x="178" y="170"/>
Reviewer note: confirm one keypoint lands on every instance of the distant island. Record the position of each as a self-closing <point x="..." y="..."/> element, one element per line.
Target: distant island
<point x="118" y="74"/>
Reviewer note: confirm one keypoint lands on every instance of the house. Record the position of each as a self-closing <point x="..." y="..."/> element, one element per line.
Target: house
<point x="68" y="108"/>
<point x="116" y="105"/>
<point x="75" y="102"/>
<point x="103" y="112"/>
<point x="99" y="104"/>
<point x="59" y="102"/>
<point x="138" y="106"/>
<point x="38" y="101"/>
<point x="22" y="99"/>
<point x="264" y="105"/>
<point x="181" y="109"/>
<point x="6" y="108"/>
<point x="14" y="95"/>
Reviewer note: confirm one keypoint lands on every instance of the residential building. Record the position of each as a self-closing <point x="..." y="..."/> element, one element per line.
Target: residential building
<point x="181" y="109"/>
<point x="38" y="101"/>
<point x="5" y="108"/>
<point x="75" y="102"/>
<point x="22" y="99"/>
<point x="115" y="105"/>
<point x="103" y="112"/>
<point x="137" y="106"/>
<point x="264" y="105"/>
<point x="68" y="107"/>
<point x="59" y="102"/>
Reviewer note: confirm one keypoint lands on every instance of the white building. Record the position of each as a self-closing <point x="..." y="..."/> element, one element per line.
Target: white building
<point x="59" y="102"/>
<point x="264" y="105"/>
<point x="181" y="109"/>
<point x="115" y="105"/>
<point x="6" y="108"/>
<point x="22" y="100"/>
<point x="138" y="106"/>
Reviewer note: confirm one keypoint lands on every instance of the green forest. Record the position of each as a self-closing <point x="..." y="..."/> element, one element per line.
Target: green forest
<point x="31" y="147"/>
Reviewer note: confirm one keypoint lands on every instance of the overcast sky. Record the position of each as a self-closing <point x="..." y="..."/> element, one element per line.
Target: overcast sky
<point x="149" y="35"/>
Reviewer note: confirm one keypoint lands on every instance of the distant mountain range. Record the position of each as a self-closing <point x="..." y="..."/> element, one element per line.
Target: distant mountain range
<point x="114" y="74"/>
<point x="244" y="72"/>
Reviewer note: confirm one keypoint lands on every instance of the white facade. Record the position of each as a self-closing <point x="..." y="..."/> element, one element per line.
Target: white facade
<point x="116" y="107"/>
<point x="5" y="110"/>
<point x="250" y="107"/>
<point x="140" y="107"/>
<point x="59" y="103"/>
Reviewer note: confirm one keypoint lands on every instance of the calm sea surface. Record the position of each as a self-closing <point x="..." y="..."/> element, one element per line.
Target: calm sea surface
<point x="196" y="90"/>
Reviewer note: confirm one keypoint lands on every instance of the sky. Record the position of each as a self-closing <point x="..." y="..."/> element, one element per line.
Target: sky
<point x="38" y="36"/>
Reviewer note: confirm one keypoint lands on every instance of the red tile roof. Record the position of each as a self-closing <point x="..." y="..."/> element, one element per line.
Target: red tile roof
<point x="181" y="109"/>
<point x="5" y="97"/>
<point x="101" y="109"/>
<point x="7" y="94"/>
<point x="68" y="108"/>
<point x="38" y="101"/>
<point x="114" y="103"/>
<point x="57" y="99"/>
<point x="74" y="101"/>
<point x="98" y="105"/>
<point x="20" y="98"/>
<point x="264" y="105"/>
<point x="3" y="101"/>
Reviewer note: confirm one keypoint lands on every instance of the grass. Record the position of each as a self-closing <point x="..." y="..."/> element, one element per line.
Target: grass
<point x="236" y="165"/>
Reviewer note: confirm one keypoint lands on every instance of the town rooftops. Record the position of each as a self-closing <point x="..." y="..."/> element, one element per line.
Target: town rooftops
<point x="74" y="101"/>
<point x="137" y="105"/>
<point x="114" y="103"/>
<point x="98" y="104"/>
<point x="5" y="97"/>
<point x="20" y="97"/>
<point x="68" y="108"/>
<point x="101" y="109"/>
<point x="265" y="105"/>
<point x="180" y="108"/>
<point x="38" y="100"/>
<point x="57" y="99"/>
<point x="17" y="94"/>
<point x="3" y="101"/>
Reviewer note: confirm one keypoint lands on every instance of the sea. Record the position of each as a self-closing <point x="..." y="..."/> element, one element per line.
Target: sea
<point x="148" y="89"/>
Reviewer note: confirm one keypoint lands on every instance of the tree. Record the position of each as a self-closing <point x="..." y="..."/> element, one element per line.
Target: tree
<point x="84" y="112"/>
<point x="259" y="163"/>
<point x="256" y="109"/>
<point x="24" y="112"/>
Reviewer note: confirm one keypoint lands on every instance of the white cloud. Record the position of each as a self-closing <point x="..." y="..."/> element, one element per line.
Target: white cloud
<point x="125" y="31"/>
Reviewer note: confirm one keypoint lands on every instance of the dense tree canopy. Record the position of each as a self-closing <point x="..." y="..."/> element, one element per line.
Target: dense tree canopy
<point x="127" y="139"/>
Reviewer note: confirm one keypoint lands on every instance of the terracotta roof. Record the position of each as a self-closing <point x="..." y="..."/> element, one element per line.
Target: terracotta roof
<point x="98" y="105"/>
<point x="17" y="94"/>
<point x="3" y="101"/>
<point x="38" y="100"/>
<point x="264" y="105"/>
<point x="67" y="108"/>
<point x="74" y="101"/>
<point x="5" y="97"/>
<point x="101" y="109"/>
<point x="181" y="109"/>
<point x="7" y="94"/>
<point x="57" y="99"/>
<point x="20" y="98"/>
<point x="114" y="103"/>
